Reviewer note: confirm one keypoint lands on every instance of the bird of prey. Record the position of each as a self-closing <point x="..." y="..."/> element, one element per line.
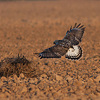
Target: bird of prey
<point x="68" y="46"/>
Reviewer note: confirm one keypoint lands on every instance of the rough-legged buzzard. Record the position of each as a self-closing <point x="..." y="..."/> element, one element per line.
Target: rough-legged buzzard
<point x="68" y="46"/>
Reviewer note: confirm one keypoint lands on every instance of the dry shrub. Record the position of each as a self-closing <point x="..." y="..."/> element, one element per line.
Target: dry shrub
<point x="18" y="65"/>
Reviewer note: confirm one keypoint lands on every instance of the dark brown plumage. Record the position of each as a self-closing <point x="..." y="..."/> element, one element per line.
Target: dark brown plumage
<point x="68" y="46"/>
<point x="56" y="51"/>
<point x="75" y="35"/>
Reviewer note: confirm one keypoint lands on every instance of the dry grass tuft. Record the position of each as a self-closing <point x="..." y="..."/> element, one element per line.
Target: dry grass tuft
<point x="18" y="65"/>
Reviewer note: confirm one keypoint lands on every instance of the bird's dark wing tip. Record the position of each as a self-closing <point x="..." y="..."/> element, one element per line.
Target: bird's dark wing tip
<point x="79" y="26"/>
<point x="44" y="55"/>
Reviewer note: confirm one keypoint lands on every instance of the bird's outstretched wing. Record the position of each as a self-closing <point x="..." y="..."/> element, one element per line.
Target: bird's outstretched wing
<point x="55" y="51"/>
<point x="74" y="53"/>
<point x="74" y="35"/>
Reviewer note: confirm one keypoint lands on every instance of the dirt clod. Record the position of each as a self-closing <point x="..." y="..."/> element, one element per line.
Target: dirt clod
<point x="18" y="65"/>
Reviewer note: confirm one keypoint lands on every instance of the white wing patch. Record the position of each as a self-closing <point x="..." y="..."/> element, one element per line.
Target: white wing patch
<point x="74" y="53"/>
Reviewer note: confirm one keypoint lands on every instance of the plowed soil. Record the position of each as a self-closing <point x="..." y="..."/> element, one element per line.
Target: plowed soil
<point x="28" y="27"/>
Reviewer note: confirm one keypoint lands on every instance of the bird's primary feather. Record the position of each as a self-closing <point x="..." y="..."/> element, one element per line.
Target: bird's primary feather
<point x="74" y="35"/>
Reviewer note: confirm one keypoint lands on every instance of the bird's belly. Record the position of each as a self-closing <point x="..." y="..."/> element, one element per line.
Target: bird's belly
<point x="73" y="51"/>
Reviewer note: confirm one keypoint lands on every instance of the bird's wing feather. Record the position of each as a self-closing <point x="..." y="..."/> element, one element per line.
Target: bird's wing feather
<point x="55" y="51"/>
<point x="74" y="35"/>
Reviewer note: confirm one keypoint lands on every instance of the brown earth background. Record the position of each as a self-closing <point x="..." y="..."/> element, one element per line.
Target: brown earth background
<point x="28" y="27"/>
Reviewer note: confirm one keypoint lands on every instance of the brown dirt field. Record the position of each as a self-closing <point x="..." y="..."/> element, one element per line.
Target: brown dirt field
<point x="28" y="27"/>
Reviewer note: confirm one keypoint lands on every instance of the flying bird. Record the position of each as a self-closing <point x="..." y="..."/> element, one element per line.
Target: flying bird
<point x="68" y="46"/>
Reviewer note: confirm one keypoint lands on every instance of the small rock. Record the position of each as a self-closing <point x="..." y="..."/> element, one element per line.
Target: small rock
<point x="31" y="81"/>
<point x="97" y="79"/>
<point x="15" y="76"/>
<point x="44" y="76"/>
<point x="21" y="75"/>
<point x="2" y="95"/>
<point x="24" y="89"/>
<point x="58" y="78"/>
<point x="68" y="78"/>
<point x="98" y="70"/>
<point x="3" y="89"/>
<point x="98" y="88"/>
<point x="3" y="78"/>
